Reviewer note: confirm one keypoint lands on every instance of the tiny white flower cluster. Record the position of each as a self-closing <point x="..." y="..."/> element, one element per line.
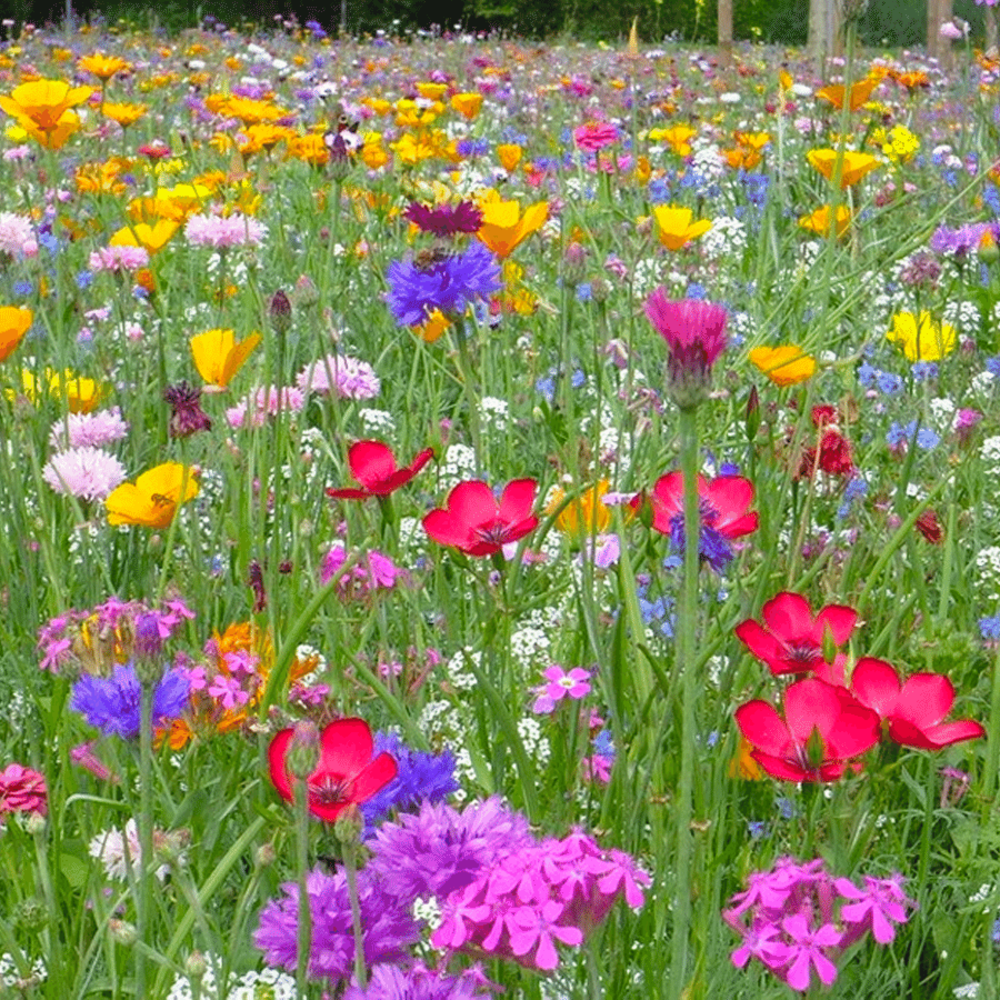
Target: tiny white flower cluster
<point x="11" y="978"/>
<point x="535" y="745"/>
<point x="942" y="412"/>
<point x="963" y="316"/>
<point x="459" y="675"/>
<point x="983" y="383"/>
<point x="989" y="452"/>
<point x="727" y="237"/>
<point x="268" y="984"/>
<point x="988" y="572"/>
<point x="528" y="646"/>
<point x="457" y="464"/>
<point x="441" y="719"/>
<point x="495" y="412"/>
<point x="428" y="911"/>
<point x="377" y="421"/>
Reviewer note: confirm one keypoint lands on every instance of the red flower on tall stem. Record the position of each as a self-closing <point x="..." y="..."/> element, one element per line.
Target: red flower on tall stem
<point x="911" y="712"/>
<point x="790" y="639"/>
<point x="345" y="773"/>
<point x="823" y="728"/>
<point x="475" y="523"/>
<point x="374" y="466"/>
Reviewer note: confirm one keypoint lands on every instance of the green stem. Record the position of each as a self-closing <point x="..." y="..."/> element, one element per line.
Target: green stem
<point x="303" y="943"/>
<point x="145" y="866"/>
<point x="351" y="871"/>
<point x="685" y="645"/>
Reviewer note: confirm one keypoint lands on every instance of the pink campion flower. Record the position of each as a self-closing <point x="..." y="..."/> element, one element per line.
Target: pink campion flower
<point x="475" y="523"/>
<point x="790" y="639"/>
<point x="695" y="334"/>
<point x="536" y="928"/>
<point x="911" y="712"/>
<point x="372" y="572"/>
<point x="22" y="790"/>
<point x="805" y="952"/>
<point x="573" y="684"/>
<point x="594" y="135"/>
<point x="373" y="465"/>
<point x="875" y="908"/>
<point x="823" y="729"/>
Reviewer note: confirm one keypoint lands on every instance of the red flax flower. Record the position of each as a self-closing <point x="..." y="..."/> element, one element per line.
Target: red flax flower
<point x="345" y="773"/>
<point x="790" y="639"/>
<point x="911" y="712"/>
<point x="374" y="466"/>
<point x="823" y="728"/>
<point x="695" y="333"/>
<point x="723" y="503"/>
<point x="474" y="523"/>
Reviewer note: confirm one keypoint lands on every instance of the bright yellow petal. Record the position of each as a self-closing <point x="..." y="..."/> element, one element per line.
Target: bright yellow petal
<point x="210" y="350"/>
<point x="236" y="356"/>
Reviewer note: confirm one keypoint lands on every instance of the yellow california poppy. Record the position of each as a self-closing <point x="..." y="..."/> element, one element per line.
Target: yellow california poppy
<point x="40" y="106"/>
<point x="678" y="137"/>
<point x="586" y="514"/>
<point x="218" y="356"/>
<point x="504" y="226"/>
<point x="860" y="92"/>
<point x="819" y="221"/>
<point x="14" y="323"/>
<point x="467" y="104"/>
<point x="921" y="338"/>
<point x="152" y="500"/>
<point x="509" y="155"/>
<point x="124" y="114"/>
<point x="675" y="228"/>
<point x="853" y="167"/>
<point x="102" y="66"/>
<point x="785" y="365"/>
<point x="152" y="238"/>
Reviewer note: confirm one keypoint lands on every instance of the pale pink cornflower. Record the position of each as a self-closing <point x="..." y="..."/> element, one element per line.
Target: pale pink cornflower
<point x="22" y="790"/>
<point x="220" y="232"/>
<point x="254" y="410"/>
<point x="349" y="378"/>
<point x="88" y="430"/>
<point x="87" y="473"/>
<point x="120" y="850"/>
<point x="573" y="684"/>
<point x="17" y="238"/>
<point x="119" y="258"/>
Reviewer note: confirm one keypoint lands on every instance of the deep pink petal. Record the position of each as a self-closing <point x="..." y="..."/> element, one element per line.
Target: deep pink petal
<point x="954" y="732"/>
<point x="925" y="699"/>
<point x="668" y="492"/>
<point x="780" y="767"/>
<point x="373" y="777"/>
<point x="371" y="462"/>
<point x="445" y="529"/>
<point x="348" y="493"/>
<point x="811" y="704"/>
<point x="517" y="500"/>
<point x="855" y="732"/>
<point x="763" y="727"/>
<point x="741" y="526"/>
<point x="276" y="758"/>
<point x="875" y="683"/>
<point x="729" y="495"/>
<point x="471" y="504"/>
<point x="841" y="621"/>
<point x="345" y="748"/>
<point x="760" y="642"/>
<point x="788" y="615"/>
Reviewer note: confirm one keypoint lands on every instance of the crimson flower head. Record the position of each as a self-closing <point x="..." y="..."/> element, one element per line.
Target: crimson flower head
<point x="345" y="773"/>
<point x="823" y="728"/>
<point x="723" y="503"/>
<point x="911" y="712"/>
<point x="445" y="220"/>
<point x="790" y="639"/>
<point x="695" y="333"/>
<point x="374" y="466"/>
<point x="474" y="523"/>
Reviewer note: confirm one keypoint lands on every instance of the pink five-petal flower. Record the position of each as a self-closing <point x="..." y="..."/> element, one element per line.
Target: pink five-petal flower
<point x="790" y="639"/>
<point x="536" y="926"/>
<point x="374" y="466"/>
<point x="474" y="523"/>
<point x="881" y="903"/>
<point x="345" y="774"/>
<point x="806" y="949"/>
<point x="823" y="728"/>
<point x="911" y="711"/>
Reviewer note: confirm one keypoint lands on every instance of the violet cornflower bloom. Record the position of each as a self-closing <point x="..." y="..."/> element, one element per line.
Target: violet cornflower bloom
<point x="112" y="704"/>
<point x="695" y="334"/>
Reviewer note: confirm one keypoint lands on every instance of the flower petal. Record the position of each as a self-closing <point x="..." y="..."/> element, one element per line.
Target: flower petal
<point x="346" y="747"/>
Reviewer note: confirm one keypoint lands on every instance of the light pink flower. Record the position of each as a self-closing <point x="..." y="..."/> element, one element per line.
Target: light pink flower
<point x="254" y="410"/>
<point x="87" y="473"/>
<point x="17" y="238"/>
<point x="573" y="684"/>
<point x="345" y="376"/>
<point x="119" y="258"/>
<point x="221" y="232"/>
<point x="88" y="430"/>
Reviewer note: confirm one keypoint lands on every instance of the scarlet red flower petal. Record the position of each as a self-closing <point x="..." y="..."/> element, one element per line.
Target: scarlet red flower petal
<point x="377" y="774"/>
<point x="876" y="684"/>
<point x="473" y="522"/>
<point x="345" y="747"/>
<point x="371" y="462"/>
<point x="761" y="724"/>
<point x="729" y="495"/>
<point x="811" y="704"/>
<point x="517" y="500"/>
<point x="276" y="758"/>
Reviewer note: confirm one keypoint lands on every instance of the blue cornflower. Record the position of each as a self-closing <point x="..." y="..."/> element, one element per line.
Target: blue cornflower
<point x="603" y="743"/>
<point x="993" y="366"/>
<point x="989" y="628"/>
<point x="927" y="439"/>
<point x="854" y="491"/>
<point x="450" y="284"/>
<point x="757" y="828"/>
<point x="113" y="704"/>
<point x="924" y="371"/>
<point x="889" y="383"/>
<point x="900" y="434"/>
<point x="419" y="776"/>
<point x="584" y="292"/>
<point x="868" y="374"/>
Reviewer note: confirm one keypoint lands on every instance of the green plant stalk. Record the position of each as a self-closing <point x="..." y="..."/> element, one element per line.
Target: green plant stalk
<point x="685" y="646"/>
<point x="992" y="743"/>
<point x="145" y="867"/>
<point x="303" y="941"/>
<point x="351" y="872"/>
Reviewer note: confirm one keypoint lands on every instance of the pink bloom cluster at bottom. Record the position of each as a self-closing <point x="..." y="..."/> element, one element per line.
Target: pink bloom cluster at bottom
<point x="798" y="918"/>
<point x="527" y="901"/>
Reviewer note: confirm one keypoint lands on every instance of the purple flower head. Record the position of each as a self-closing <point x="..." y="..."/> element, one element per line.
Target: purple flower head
<point x="445" y="220"/>
<point x="960" y="242"/>
<point x="389" y="930"/>
<point x="113" y="704"/>
<point x="186" y="415"/>
<point x="449" y="284"/>
<point x="390" y="982"/>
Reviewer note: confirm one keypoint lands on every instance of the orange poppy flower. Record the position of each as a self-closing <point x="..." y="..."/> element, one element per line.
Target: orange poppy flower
<point x="860" y="92"/>
<point x="40" y="106"/>
<point x="14" y="323"/>
<point x="467" y="104"/>
<point x="853" y="166"/>
<point x="102" y="66"/>
<point x="153" y="499"/>
<point x="509" y="155"/>
<point x="819" y="221"/>
<point x="124" y="114"/>
<point x="218" y="356"/>
<point x="785" y="365"/>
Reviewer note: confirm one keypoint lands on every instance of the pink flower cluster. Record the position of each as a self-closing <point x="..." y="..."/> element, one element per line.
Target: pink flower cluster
<point x="520" y="906"/>
<point x="797" y="918"/>
<point x="22" y="790"/>
<point x="373" y="571"/>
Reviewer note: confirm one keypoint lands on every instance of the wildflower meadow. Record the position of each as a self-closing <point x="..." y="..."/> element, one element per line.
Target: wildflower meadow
<point x="490" y="519"/>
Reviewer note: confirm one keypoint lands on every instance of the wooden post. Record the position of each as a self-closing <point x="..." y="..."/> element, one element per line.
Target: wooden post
<point x="725" y="15"/>
<point x="817" y="36"/>
<point x="934" y="39"/>
<point x="990" y="16"/>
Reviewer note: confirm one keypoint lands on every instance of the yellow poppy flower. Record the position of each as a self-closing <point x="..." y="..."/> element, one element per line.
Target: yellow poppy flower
<point x="586" y="514"/>
<point x="819" y="221"/>
<point x="310" y="149"/>
<point x="151" y="238"/>
<point x="504" y="227"/>
<point x="124" y="114"/>
<point x="853" y="167"/>
<point x="14" y="323"/>
<point x="102" y="66"/>
<point x="39" y="106"/>
<point x="675" y="228"/>
<point x="432" y="91"/>
<point x="678" y="137"/>
<point x="785" y="365"/>
<point x="467" y="104"/>
<point x="509" y="155"/>
<point x="433" y="327"/>
<point x="153" y="499"/>
<point x="921" y="338"/>
<point x="218" y="356"/>
<point x="860" y="92"/>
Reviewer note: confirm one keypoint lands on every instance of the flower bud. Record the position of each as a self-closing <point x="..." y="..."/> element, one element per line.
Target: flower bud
<point x="122" y="932"/>
<point x="348" y="825"/>
<point x="34" y="823"/>
<point x="195" y="966"/>
<point x="279" y="312"/>
<point x="31" y="914"/>
<point x="265" y="855"/>
<point x="305" y="293"/>
<point x="303" y="750"/>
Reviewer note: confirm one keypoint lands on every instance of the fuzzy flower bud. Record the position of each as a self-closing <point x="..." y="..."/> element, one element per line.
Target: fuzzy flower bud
<point x="279" y="312"/>
<point x="303" y="751"/>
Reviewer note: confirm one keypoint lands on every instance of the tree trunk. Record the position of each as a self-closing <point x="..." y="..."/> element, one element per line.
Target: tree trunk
<point x="725" y="32"/>
<point x="990" y="14"/>
<point x="824" y="33"/>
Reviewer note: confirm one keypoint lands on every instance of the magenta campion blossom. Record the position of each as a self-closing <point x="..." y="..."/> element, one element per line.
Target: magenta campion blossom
<point x="806" y="952"/>
<point x="572" y="684"/>
<point x="373" y="571"/>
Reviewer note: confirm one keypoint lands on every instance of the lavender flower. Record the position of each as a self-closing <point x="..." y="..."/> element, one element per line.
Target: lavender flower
<point x="88" y="430"/>
<point x="87" y="473"/>
<point x="449" y="284"/>
<point x="388" y="927"/>
<point x="222" y="232"/>
<point x="344" y="376"/>
<point x="389" y="982"/>
<point x="112" y="704"/>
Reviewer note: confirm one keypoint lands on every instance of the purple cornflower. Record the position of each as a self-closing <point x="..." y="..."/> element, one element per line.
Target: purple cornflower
<point x="445" y="220"/>
<point x="342" y="375"/>
<point x="449" y="284"/>
<point x="560" y="683"/>
<point x="960" y="242"/>
<point x="88" y="430"/>
<point x="387" y="926"/>
<point x="86" y="473"/>
<point x="390" y="982"/>
<point x="695" y="334"/>
<point x="222" y="232"/>
<point x="112" y="704"/>
<point x="419" y="777"/>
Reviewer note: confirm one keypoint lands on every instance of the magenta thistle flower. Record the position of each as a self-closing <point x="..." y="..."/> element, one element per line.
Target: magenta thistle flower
<point x="186" y="415"/>
<point x="695" y="333"/>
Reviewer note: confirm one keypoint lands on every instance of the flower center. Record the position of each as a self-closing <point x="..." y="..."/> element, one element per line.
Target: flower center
<point x="330" y="790"/>
<point x="494" y="533"/>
